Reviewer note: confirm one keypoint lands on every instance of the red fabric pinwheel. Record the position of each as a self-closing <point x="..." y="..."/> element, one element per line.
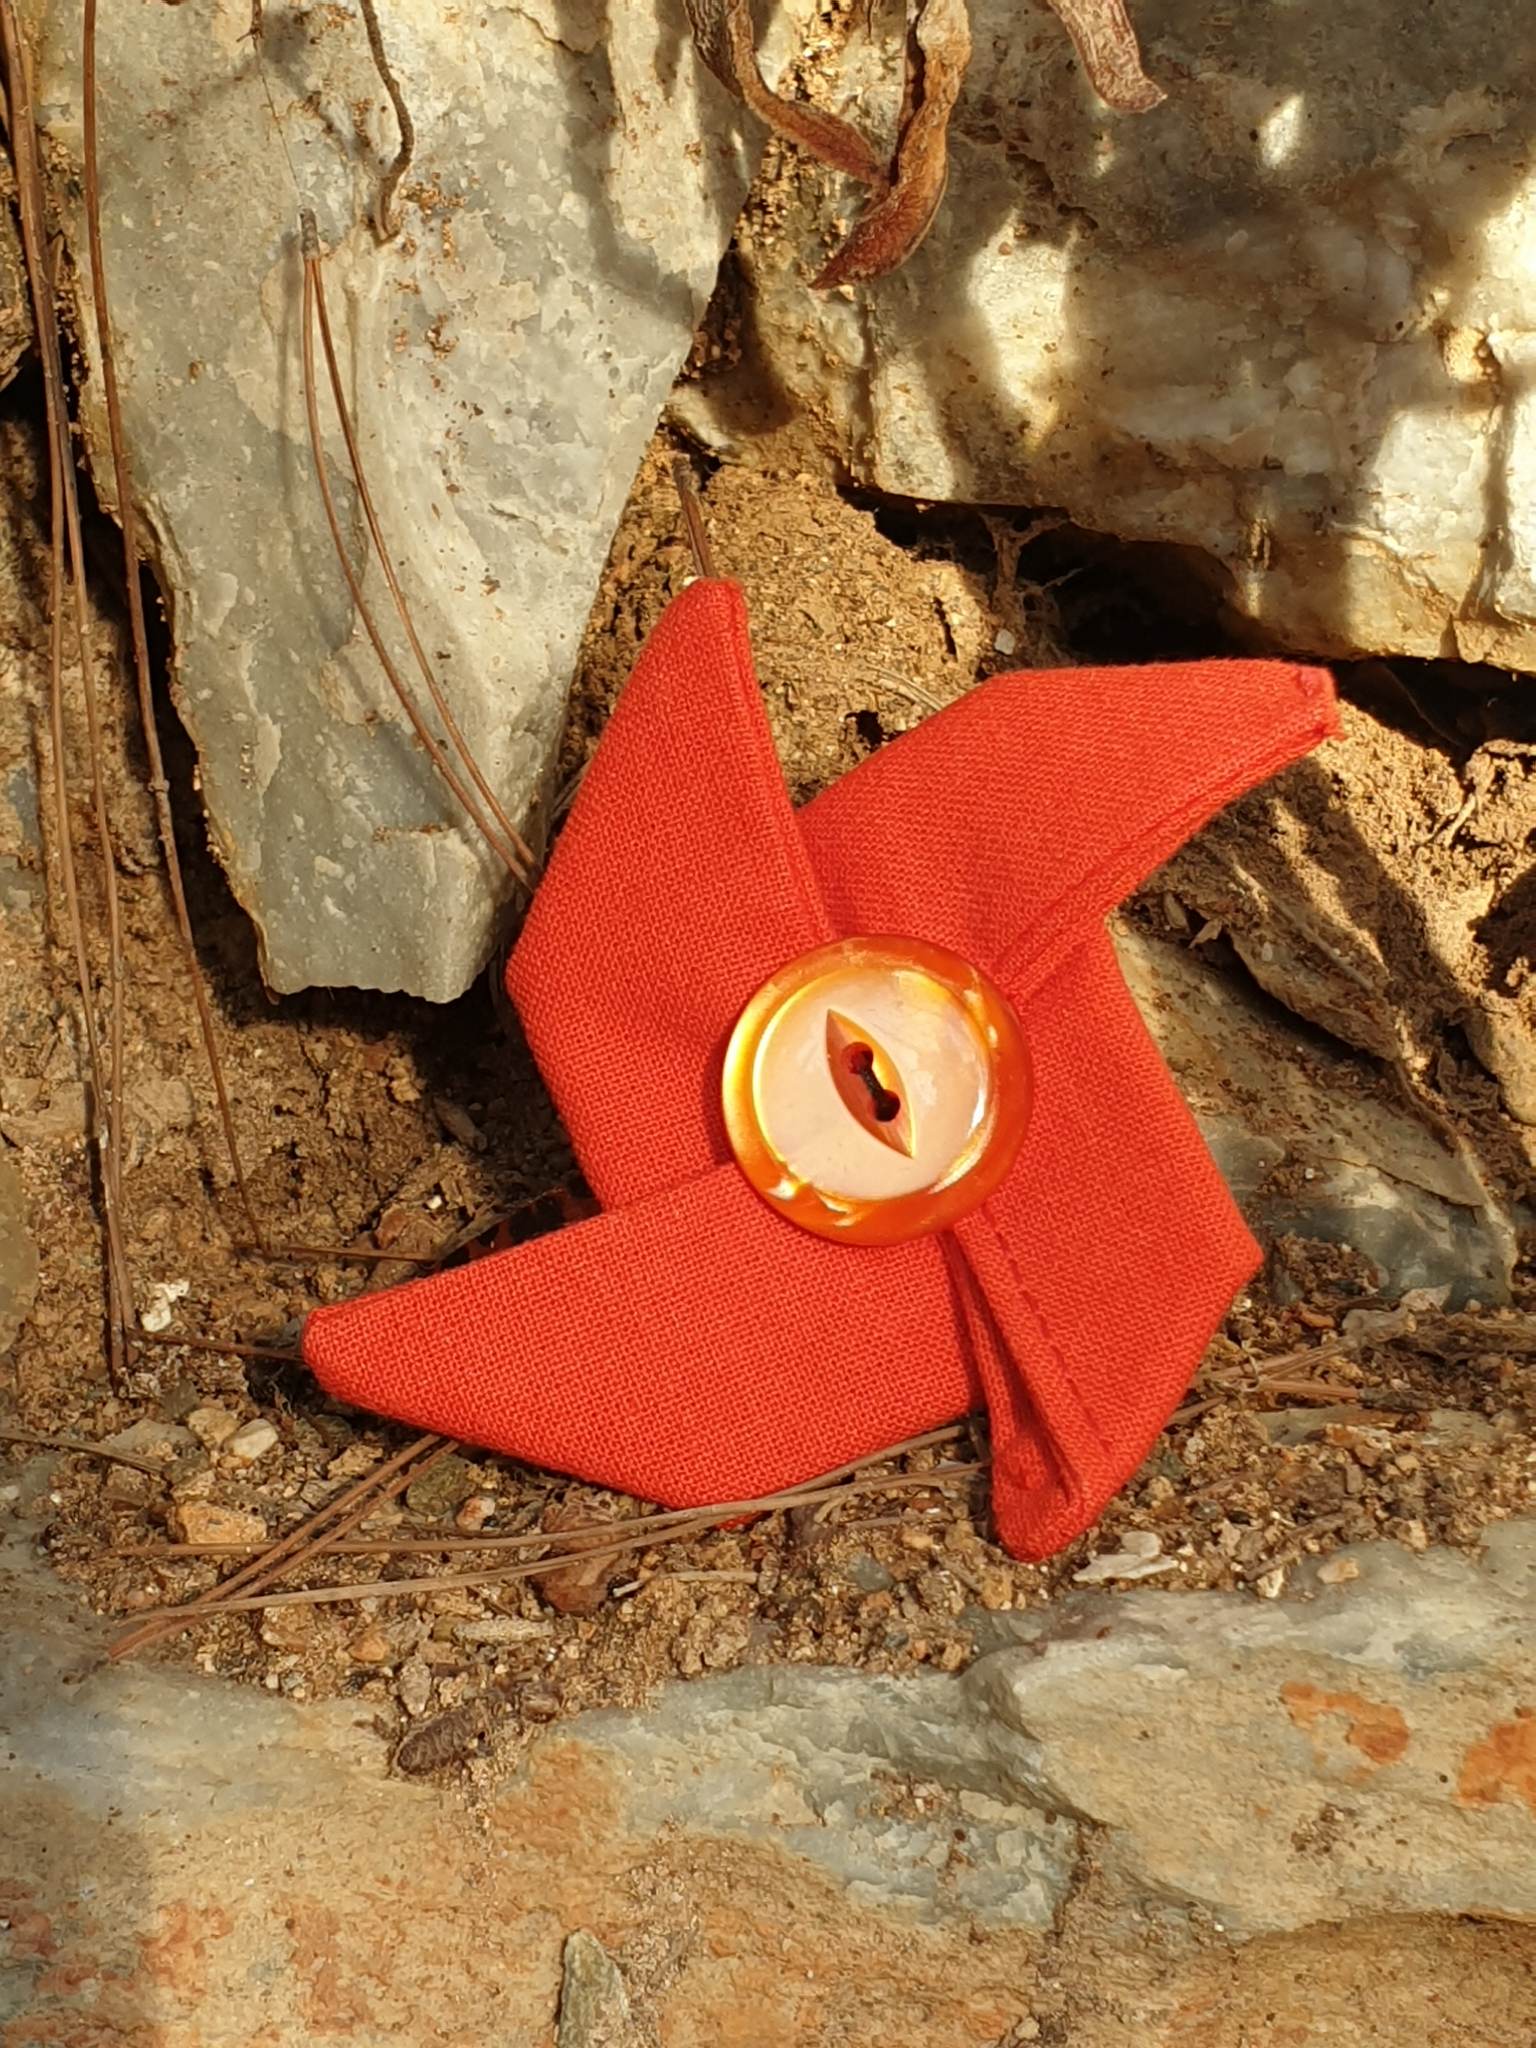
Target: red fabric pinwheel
<point x="690" y="1345"/>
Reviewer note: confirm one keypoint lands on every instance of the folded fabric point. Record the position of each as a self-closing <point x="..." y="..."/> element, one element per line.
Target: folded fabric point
<point x="878" y="1132"/>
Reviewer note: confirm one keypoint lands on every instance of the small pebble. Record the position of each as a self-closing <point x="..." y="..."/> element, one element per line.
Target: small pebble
<point x="414" y="1686"/>
<point x="442" y="1488"/>
<point x="1376" y="1325"/>
<point x="996" y="1589"/>
<point x="870" y="1575"/>
<point x="371" y="1647"/>
<point x="500" y="1628"/>
<point x="1338" y="1571"/>
<point x="593" y="2004"/>
<point x="290" y="1628"/>
<point x="160" y="1442"/>
<point x="161" y="1306"/>
<point x="199" y="1521"/>
<point x="1269" y="1585"/>
<point x="472" y="1517"/>
<point x="212" y="1426"/>
<point x="353" y="1462"/>
<point x="252" y="1442"/>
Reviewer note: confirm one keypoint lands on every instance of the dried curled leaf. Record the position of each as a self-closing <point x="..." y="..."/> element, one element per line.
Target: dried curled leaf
<point x="1106" y="45"/>
<point x="887" y="232"/>
<point x="909" y="194"/>
<point x="726" y="42"/>
<point x="581" y="1586"/>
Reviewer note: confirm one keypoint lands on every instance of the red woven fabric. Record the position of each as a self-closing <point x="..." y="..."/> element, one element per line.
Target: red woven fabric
<point x="690" y="1345"/>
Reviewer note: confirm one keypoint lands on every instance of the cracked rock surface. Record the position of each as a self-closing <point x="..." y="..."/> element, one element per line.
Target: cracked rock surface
<point x="1283" y="319"/>
<point x="1144" y="1818"/>
<point x="507" y="353"/>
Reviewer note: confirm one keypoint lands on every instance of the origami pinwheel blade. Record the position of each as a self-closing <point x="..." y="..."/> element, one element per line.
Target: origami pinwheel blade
<point x="692" y="1345"/>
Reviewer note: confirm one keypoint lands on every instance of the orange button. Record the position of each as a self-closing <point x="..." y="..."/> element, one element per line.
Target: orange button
<point x="877" y="1089"/>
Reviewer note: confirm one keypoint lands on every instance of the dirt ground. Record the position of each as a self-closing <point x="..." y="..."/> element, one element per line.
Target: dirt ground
<point x="1322" y="1416"/>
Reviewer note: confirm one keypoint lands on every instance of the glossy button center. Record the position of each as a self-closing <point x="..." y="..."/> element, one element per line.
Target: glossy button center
<point x="876" y="1089"/>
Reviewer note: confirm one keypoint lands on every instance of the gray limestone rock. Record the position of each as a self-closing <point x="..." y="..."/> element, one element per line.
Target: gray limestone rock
<point x="575" y="179"/>
<point x="1364" y="1748"/>
<point x="805" y="1759"/>
<point x="594" y="2008"/>
<point x="1216" y="1745"/>
<point x="1308" y="1145"/>
<point x="1282" y="319"/>
<point x="1227" y="1771"/>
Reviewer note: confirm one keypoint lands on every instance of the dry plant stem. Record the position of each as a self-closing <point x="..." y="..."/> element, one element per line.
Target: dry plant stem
<point x="12" y="1435"/>
<point x="314" y="298"/>
<point x="1106" y="45"/>
<point x="369" y="1255"/>
<point x="218" y="1346"/>
<point x="335" y="1519"/>
<point x="513" y="838"/>
<point x="640" y="1533"/>
<point x="1319" y="1392"/>
<point x="896" y="221"/>
<point x="726" y="40"/>
<point x="531" y="1539"/>
<point x="1253" y="1371"/>
<point x="402" y="609"/>
<point x="65" y="519"/>
<point x="297" y="1254"/>
<point x="693" y="518"/>
<point x="127" y="515"/>
<point x="385" y="222"/>
<point x="375" y="1589"/>
<point x="1191" y="1409"/>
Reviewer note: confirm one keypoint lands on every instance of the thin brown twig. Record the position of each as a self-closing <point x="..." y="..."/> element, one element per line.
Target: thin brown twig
<point x="717" y="1578"/>
<point x="65" y="522"/>
<point x="1320" y="1391"/>
<point x="693" y="518"/>
<point x="1281" y="1362"/>
<point x="510" y="852"/>
<point x="531" y="1539"/>
<point x="217" y="1345"/>
<point x="640" y="1533"/>
<point x="402" y="609"/>
<point x="127" y="514"/>
<point x="11" y="1435"/>
<point x="375" y="1589"/>
<point x="280" y="1254"/>
<point x="385" y="224"/>
<point x="487" y="1220"/>
<point x="1191" y="1409"/>
<point x="344" y="1513"/>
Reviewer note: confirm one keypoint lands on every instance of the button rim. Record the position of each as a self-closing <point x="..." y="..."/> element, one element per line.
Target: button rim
<point x="893" y="1219"/>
